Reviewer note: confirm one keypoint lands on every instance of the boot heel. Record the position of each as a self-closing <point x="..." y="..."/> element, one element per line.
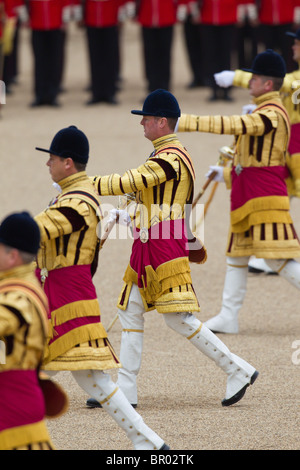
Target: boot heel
<point x="239" y="395"/>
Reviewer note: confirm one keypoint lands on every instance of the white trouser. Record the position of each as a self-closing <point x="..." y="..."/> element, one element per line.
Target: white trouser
<point x="100" y="386"/>
<point x="238" y="371"/>
<point x="235" y="289"/>
<point x="132" y="320"/>
<point x="234" y="292"/>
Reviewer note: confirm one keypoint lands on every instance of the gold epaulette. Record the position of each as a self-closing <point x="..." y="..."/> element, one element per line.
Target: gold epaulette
<point x="34" y="293"/>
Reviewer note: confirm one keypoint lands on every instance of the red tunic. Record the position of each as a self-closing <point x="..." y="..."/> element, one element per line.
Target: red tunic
<point x="101" y="13"/>
<point x="277" y="11"/>
<point x="45" y="14"/>
<point x="219" y="12"/>
<point x="156" y="13"/>
<point x="10" y="7"/>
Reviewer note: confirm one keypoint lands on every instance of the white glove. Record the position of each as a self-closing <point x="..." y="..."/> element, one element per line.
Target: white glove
<point x="181" y="12"/>
<point x="130" y="10"/>
<point x="297" y="15"/>
<point x="67" y="14"/>
<point x="77" y="13"/>
<point x="124" y="217"/>
<point x="219" y="173"/>
<point x="252" y="11"/>
<point x="22" y="13"/>
<point x="248" y="108"/>
<point x="122" y="14"/>
<point x="225" y="78"/>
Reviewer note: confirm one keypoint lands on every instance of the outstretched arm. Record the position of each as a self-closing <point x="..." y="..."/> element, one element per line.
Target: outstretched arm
<point x="258" y="123"/>
<point x="154" y="172"/>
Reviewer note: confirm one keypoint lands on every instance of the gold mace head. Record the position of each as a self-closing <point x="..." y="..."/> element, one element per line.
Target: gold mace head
<point x="227" y="152"/>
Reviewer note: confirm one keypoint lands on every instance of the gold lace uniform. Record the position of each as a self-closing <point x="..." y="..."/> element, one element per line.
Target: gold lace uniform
<point x="65" y="244"/>
<point x="261" y="141"/>
<point x="162" y="185"/>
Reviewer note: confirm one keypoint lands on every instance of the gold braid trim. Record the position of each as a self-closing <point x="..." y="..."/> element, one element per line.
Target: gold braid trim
<point x="283" y="266"/>
<point x="109" y="396"/>
<point x="195" y="332"/>
<point x="168" y="275"/>
<point x="262" y="217"/>
<point x="133" y="330"/>
<point x="277" y="207"/>
<point x="293" y="182"/>
<point x="24" y="435"/>
<point x="78" y="309"/>
<point x="69" y="340"/>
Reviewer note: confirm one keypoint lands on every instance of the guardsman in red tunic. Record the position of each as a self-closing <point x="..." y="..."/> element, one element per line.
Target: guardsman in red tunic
<point x="46" y="21"/>
<point x="192" y="37"/>
<point x="101" y="20"/>
<point x="218" y="18"/>
<point x="157" y="20"/>
<point x="12" y="39"/>
<point x="276" y="17"/>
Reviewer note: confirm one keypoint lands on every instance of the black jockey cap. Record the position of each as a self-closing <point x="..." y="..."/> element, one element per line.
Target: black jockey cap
<point x="19" y="230"/>
<point x="69" y="142"/>
<point x="268" y="63"/>
<point x="160" y="103"/>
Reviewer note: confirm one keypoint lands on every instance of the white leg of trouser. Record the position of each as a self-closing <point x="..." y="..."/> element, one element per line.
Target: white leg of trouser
<point x="239" y="373"/>
<point x="259" y="265"/>
<point x="289" y="269"/>
<point x="100" y="386"/>
<point x="132" y="320"/>
<point x="233" y="296"/>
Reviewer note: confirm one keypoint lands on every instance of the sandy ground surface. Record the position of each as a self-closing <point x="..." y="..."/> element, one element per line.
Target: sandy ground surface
<point x="180" y="390"/>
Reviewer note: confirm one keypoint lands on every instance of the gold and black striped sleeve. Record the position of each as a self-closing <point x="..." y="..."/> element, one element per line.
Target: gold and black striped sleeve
<point x="10" y="321"/>
<point x="61" y="220"/>
<point x="153" y="173"/>
<point x="251" y="124"/>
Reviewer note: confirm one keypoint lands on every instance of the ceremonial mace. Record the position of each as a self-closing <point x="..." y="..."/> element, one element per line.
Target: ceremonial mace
<point x="226" y="154"/>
